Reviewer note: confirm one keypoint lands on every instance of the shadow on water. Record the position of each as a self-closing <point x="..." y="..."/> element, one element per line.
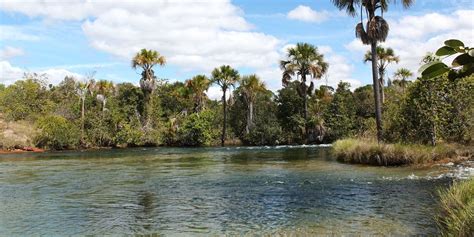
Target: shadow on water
<point x="211" y="191"/>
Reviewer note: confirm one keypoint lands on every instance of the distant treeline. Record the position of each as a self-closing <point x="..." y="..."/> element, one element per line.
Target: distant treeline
<point x="175" y="114"/>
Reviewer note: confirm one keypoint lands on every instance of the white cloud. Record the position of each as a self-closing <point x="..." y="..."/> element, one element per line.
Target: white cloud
<point x="305" y="13"/>
<point x="194" y="36"/>
<point x="412" y="37"/>
<point x="16" y="33"/>
<point x="340" y="69"/>
<point x="9" y="74"/>
<point x="10" y="52"/>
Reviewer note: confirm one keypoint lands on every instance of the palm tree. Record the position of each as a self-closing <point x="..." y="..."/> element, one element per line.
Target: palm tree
<point x="250" y="86"/>
<point x="226" y="77"/>
<point x="385" y="57"/>
<point x="403" y="74"/>
<point x="197" y="87"/>
<point x="375" y="31"/>
<point x="83" y="88"/>
<point x="303" y="60"/>
<point x="146" y="60"/>
<point x="104" y="89"/>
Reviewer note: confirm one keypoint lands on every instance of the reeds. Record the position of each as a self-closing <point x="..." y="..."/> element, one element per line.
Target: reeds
<point x="456" y="217"/>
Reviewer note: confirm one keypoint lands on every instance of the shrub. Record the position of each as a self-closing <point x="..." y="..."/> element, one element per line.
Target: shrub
<point x="57" y="133"/>
<point x="457" y="209"/>
<point x="196" y="129"/>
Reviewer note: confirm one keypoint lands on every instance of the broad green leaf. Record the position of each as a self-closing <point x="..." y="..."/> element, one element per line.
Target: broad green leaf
<point x="462" y="59"/>
<point x="454" y="43"/>
<point x="445" y="50"/>
<point x="433" y="69"/>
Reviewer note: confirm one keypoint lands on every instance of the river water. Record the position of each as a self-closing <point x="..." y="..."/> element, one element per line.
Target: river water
<point x="213" y="192"/>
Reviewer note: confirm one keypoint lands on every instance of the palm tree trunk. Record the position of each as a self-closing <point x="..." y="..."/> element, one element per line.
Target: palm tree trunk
<point x="249" y="118"/>
<point x="225" y="117"/>
<point x="378" y="107"/>
<point x="82" y="118"/>
<point x="305" y="104"/>
<point x="382" y="93"/>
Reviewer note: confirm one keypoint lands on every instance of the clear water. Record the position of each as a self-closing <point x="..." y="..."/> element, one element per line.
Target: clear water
<point x="212" y="192"/>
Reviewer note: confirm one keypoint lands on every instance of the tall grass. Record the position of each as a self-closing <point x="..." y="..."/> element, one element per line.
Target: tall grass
<point x="457" y="210"/>
<point x="370" y="152"/>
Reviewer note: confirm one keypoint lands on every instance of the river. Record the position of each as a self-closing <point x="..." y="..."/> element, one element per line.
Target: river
<point x="213" y="191"/>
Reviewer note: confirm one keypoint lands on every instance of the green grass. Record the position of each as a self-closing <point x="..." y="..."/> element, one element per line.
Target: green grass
<point x="456" y="217"/>
<point x="370" y="152"/>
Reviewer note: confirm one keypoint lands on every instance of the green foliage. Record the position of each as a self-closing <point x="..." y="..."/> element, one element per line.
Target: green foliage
<point x="461" y="66"/>
<point x="25" y="99"/>
<point x="290" y="113"/>
<point x="57" y="133"/>
<point x="340" y="116"/>
<point x="456" y="217"/>
<point x="196" y="129"/>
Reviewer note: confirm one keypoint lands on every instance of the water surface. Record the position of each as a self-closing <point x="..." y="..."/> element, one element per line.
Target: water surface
<point x="212" y="191"/>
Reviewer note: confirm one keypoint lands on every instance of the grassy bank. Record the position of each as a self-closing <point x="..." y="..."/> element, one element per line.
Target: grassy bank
<point x="457" y="209"/>
<point x="371" y="153"/>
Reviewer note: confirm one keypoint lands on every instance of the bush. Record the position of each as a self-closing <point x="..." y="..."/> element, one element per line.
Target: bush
<point x="196" y="129"/>
<point x="457" y="209"/>
<point x="372" y="153"/>
<point x="57" y="133"/>
<point x="128" y="135"/>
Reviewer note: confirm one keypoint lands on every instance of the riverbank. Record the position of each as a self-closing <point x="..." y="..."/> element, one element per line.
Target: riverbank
<point x="456" y="217"/>
<point x="371" y="153"/>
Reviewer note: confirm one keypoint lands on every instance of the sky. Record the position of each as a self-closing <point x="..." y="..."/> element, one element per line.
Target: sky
<point x="78" y="37"/>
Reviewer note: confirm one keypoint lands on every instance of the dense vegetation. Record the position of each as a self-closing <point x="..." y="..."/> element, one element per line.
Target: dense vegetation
<point x="84" y="113"/>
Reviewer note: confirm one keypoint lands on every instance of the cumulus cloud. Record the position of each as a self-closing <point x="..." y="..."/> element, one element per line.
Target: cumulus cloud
<point x="10" y="52"/>
<point x="305" y="13"/>
<point x="413" y="36"/>
<point x="9" y="73"/>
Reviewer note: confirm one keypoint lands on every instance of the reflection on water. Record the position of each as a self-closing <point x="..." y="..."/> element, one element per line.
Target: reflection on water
<point x="211" y="191"/>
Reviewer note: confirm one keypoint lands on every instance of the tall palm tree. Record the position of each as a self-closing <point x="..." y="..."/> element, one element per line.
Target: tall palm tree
<point x="403" y="74"/>
<point x="197" y="87"/>
<point x="104" y="89"/>
<point x="385" y="57"/>
<point x="146" y="60"/>
<point x="250" y="86"/>
<point x="226" y="77"/>
<point x="375" y="31"/>
<point x="303" y="60"/>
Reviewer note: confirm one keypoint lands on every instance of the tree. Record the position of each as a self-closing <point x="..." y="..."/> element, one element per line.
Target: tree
<point x="146" y="60"/>
<point x="83" y="89"/>
<point x="250" y="86"/>
<point x="303" y="60"/>
<point x="340" y="116"/>
<point x="402" y="74"/>
<point x="385" y="57"/>
<point x="226" y="77"/>
<point x="376" y="30"/>
<point x="197" y="87"/>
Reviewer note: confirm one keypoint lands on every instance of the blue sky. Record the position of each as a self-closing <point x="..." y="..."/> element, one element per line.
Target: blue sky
<point x="78" y="36"/>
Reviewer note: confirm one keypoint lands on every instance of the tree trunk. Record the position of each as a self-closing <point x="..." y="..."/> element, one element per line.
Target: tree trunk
<point x="225" y="117"/>
<point x="82" y="118"/>
<point x="249" y="118"/>
<point x="305" y="104"/>
<point x="382" y="93"/>
<point x="378" y="106"/>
